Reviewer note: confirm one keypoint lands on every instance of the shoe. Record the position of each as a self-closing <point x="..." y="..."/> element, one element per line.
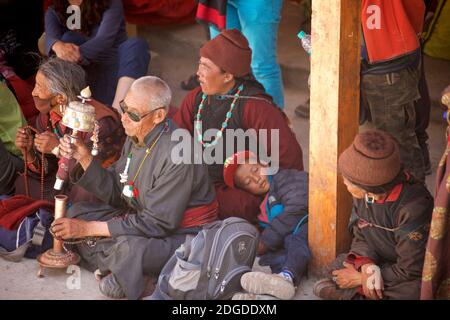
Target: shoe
<point x="251" y="296"/>
<point x="328" y="290"/>
<point x="191" y="83"/>
<point x="98" y="275"/>
<point x="265" y="283"/>
<point x="111" y="288"/>
<point x="302" y="111"/>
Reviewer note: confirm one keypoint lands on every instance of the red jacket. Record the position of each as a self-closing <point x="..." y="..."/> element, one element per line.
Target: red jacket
<point x="400" y="23"/>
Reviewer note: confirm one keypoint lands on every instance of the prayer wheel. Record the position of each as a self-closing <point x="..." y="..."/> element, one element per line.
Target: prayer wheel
<point x="78" y="116"/>
<point x="58" y="257"/>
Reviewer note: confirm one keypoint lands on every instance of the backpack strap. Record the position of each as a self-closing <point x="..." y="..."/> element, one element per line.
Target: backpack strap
<point x="188" y="242"/>
<point x="39" y="230"/>
<point x="38" y="234"/>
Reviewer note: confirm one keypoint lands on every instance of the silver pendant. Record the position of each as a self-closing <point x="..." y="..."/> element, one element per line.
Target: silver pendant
<point x="127" y="191"/>
<point x="123" y="177"/>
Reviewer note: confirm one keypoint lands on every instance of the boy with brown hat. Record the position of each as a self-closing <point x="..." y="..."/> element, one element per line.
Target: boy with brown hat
<point x="390" y="222"/>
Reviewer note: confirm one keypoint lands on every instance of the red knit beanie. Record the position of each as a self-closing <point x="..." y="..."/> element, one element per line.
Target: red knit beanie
<point x="231" y="164"/>
<point x="373" y="159"/>
<point x="230" y="51"/>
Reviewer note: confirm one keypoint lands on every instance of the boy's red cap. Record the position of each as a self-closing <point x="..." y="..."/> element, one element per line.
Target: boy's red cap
<point x="231" y="164"/>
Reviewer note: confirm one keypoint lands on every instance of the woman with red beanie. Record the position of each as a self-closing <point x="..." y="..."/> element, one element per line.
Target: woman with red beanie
<point x="229" y="97"/>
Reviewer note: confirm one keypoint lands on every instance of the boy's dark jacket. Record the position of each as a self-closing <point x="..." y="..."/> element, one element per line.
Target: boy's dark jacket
<point x="289" y="187"/>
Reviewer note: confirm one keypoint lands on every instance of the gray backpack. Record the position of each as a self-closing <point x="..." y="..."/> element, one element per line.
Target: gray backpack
<point x="209" y="266"/>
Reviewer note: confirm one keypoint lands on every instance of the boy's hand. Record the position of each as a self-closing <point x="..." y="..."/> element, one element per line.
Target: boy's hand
<point x="262" y="248"/>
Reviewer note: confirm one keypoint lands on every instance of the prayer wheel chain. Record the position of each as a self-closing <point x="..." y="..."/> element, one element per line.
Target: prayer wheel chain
<point x="90" y="241"/>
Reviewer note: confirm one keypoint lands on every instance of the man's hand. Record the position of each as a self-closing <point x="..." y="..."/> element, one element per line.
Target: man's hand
<point x="372" y="281"/>
<point x="262" y="248"/>
<point x="67" y="51"/>
<point x="348" y="277"/>
<point x="65" y="228"/>
<point x="46" y="142"/>
<point x="24" y="140"/>
<point x="76" y="150"/>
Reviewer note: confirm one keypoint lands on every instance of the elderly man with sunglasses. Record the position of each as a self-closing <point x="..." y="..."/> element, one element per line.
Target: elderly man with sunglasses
<point x="149" y="203"/>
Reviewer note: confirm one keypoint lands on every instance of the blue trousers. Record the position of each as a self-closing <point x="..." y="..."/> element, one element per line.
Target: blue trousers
<point x="293" y="257"/>
<point x="131" y="58"/>
<point x="259" y="20"/>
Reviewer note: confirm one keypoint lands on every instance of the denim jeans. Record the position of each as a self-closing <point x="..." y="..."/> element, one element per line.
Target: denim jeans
<point x="259" y="20"/>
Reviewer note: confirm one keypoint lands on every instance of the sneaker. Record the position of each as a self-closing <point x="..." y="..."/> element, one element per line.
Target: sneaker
<point x="251" y="296"/>
<point x="328" y="290"/>
<point x="265" y="283"/>
<point x="302" y="111"/>
<point x="111" y="288"/>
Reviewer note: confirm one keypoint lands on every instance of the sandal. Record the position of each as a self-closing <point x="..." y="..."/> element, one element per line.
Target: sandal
<point x="190" y="83"/>
<point x="302" y="110"/>
<point x="328" y="290"/>
<point x="110" y="287"/>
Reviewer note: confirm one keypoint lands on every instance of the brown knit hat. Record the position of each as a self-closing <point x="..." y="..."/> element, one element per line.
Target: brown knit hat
<point x="230" y="51"/>
<point x="373" y="159"/>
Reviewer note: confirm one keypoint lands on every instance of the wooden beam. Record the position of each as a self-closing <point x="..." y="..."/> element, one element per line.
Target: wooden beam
<point x="335" y="64"/>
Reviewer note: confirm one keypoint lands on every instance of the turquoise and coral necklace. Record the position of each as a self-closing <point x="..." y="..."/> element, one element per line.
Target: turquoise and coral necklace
<point x="198" y="121"/>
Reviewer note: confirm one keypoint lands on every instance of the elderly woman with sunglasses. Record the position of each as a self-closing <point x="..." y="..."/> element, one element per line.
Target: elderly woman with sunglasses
<point x="57" y="83"/>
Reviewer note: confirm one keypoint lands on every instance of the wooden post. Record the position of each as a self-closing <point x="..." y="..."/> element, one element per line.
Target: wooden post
<point x="335" y="64"/>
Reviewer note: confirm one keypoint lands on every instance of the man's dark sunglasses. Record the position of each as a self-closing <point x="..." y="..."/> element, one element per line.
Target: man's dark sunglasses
<point x="134" y="116"/>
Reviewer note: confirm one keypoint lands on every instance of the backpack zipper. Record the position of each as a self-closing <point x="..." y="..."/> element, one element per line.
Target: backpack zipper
<point x="213" y="247"/>
<point x="222" y="253"/>
<point x="230" y="276"/>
